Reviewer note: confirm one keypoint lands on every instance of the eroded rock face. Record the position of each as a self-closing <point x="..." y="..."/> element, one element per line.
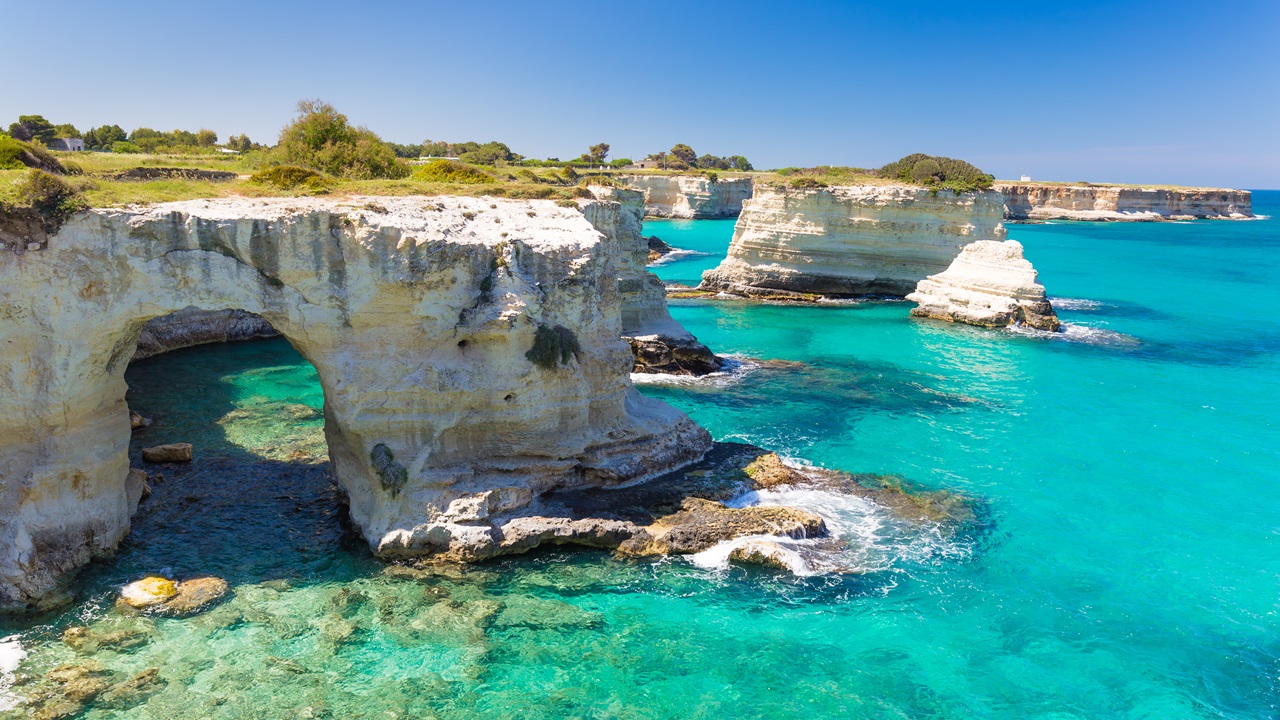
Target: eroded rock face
<point x="193" y="326"/>
<point x="1032" y="201"/>
<point x="690" y="196"/>
<point x="852" y="241"/>
<point x="989" y="284"/>
<point x="658" y="343"/>
<point x="420" y="316"/>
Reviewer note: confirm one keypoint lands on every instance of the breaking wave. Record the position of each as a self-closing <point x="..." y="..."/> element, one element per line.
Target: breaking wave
<point x="1075" y="304"/>
<point x="676" y="254"/>
<point x="735" y="368"/>
<point x="11" y="654"/>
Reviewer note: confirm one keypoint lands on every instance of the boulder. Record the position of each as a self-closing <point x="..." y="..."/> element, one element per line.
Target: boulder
<point x="171" y="453"/>
<point x="148" y="591"/>
<point x="137" y="422"/>
<point x="194" y="595"/>
<point x="767" y="553"/>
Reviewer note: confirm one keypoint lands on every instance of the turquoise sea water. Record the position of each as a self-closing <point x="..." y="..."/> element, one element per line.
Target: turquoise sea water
<point x="1127" y="564"/>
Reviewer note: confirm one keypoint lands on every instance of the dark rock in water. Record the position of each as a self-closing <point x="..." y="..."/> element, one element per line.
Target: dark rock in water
<point x="701" y="524"/>
<point x="137" y="422"/>
<point x="193" y="326"/>
<point x="766" y="553"/>
<point x="657" y="248"/>
<point x="171" y="453"/>
<point x="673" y="355"/>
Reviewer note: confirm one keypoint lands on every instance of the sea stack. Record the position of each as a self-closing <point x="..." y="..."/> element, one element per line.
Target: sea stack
<point x="850" y="241"/>
<point x="989" y="284"/>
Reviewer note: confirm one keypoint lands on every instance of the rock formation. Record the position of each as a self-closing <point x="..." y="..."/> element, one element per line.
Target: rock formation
<point x="659" y="343"/>
<point x="690" y="196"/>
<point x="468" y="349"/>
<point x="193" y="326"/>
<point x="851" y="241"/>
<point x="989" y="284"/>
<point x="1041" y="201"/>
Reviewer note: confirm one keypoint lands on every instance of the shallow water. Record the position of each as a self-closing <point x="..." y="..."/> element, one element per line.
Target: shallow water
<point x="1128" y="563"/>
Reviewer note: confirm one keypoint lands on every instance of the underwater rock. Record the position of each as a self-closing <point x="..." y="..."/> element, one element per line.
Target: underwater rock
<point x="807" y="243"/>
<point x="124" y="635"/>
<point x="194" y="595"/>
<point x="990" y="284"/>
<point x="127" y="693"/>
<point x="148" y="591"/>
<point x="171" y="453"/>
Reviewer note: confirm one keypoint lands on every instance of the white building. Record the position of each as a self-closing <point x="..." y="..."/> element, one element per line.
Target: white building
<point x="67" y="144"/>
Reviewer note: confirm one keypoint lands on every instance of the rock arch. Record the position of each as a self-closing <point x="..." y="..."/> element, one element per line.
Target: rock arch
<point x="418" y="314"/>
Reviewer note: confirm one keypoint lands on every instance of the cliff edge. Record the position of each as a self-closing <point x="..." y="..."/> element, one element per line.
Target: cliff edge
<point x="690" y="196"/>
<point x="1044" y="201"/>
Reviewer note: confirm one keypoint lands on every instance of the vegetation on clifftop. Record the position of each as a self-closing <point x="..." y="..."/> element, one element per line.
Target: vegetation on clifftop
<point x="938" y="172"/>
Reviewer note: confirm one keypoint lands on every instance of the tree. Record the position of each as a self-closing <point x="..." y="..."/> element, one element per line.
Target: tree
<point x="206" y="138"/>
<point x="684" y="154"/>
<point x="66" y="130"/>
<point x="740" y="163"/>
<point x="102" y="138"/>
<point x="926" y="171"/>
<point x="241" y="143"/>
<point x="321" y="138"/>
<point x="33" y="128"/>
<point x="488" y="154"/>
<point x="598" y="152"/>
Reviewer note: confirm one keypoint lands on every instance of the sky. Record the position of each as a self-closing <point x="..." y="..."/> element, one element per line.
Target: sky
<point x="1156" y="92"/>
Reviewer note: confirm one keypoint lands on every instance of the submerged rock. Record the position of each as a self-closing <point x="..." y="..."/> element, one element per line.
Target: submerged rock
<point x="171" y="453"/>
<point x="167" y="597"/>
<point x="701" y="524"/>
<point x="990" y="284"/>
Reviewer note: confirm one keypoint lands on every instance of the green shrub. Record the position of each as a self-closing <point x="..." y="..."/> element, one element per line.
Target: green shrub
<point x="938" y="172"/>
<point x="123" y="146"/>
<point x="553" y="346"/>
<point x="451" y="171"/>
<point x="320" y="138"/>
<point x="16" y="155"/>
<point x="50" y="196"/>
<point x="806" y="183"/>
<point x="288" y="177"/>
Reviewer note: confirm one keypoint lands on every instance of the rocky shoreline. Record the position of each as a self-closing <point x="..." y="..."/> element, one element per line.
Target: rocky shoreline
<point x="1031" y="202"/>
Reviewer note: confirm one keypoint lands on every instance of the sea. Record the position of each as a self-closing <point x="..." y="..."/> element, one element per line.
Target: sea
<point x="1123" y="559"/>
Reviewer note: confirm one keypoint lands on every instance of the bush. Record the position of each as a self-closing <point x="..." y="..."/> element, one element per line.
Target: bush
<point x="553" y="346"/>
<point x="123" y="146"/>
<point x="945" y="172"/>
<point x="50" y="196"/>
<point x="806" y="183"/>
<point x="16" y="155"/>
<point x="288" y="177"/>
<point x="450" y="171"/>
<point x="322" y="139"/>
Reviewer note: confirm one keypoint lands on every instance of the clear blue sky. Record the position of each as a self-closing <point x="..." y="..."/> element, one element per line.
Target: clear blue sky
<point x="1171" y="92"/>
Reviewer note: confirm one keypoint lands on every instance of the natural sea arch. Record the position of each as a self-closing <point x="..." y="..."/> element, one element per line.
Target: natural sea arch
<point x="418" y="314"/>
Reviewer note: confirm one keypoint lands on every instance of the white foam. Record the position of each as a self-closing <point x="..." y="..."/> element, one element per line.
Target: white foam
<point x="1072" y="332"/>
<point x="1074" y="304"/>
<point x="735" y="368"/>
<point x="676" y="254"/>
<point x="11" y="655"/>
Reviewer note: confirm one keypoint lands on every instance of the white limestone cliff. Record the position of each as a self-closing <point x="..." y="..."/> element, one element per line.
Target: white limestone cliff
<point x="850" y="241"/>
<point x="468" y="349"/>
<point x="690" y="196"/>
<point x="989" y="284"/>
<point x="660" y="344"/>
<point x="1043" y="201"/>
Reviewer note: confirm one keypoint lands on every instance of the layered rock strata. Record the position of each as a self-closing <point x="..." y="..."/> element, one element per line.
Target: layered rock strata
<point x="1032" y="201"/>
<point x="989" y="284"/>
<point x="690" y="196"/>
<point x="193" y="326"/>
<point x="800" y="243"/>
<point x="658" y="342"/>
<point x="468" y="350"/>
